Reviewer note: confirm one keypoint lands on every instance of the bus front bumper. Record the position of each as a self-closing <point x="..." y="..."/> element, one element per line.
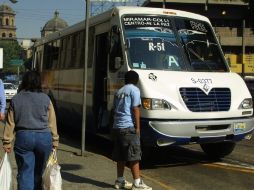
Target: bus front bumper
<point x="163" y="133"/>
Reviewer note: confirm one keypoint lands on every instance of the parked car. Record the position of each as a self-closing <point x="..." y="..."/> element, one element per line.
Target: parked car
<point x="10" y="90"/>
<point x="16" y="83"/>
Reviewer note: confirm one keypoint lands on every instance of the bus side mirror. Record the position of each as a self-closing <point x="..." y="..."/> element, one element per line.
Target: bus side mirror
<point x="118" y="63"/>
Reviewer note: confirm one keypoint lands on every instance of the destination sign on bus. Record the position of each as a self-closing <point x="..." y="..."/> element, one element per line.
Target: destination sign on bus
<point x="146" y="21"/>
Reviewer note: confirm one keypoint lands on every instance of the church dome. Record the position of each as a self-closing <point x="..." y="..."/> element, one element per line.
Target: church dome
<point x="6" y="9"/>
<point x="55" y="24"/>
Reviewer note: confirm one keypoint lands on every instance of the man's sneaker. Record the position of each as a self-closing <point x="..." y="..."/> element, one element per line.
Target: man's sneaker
<point x="123" y="185"/>
<point x="141" y="186"/>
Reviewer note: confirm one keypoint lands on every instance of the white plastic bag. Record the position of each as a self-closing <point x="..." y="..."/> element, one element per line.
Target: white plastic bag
<point x="51" y="178"/>
<point x="5" y="173"/>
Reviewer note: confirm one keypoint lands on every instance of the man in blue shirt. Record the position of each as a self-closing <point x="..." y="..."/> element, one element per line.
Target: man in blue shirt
<point x="126" y="133"/>
<point x="2" y="101"/>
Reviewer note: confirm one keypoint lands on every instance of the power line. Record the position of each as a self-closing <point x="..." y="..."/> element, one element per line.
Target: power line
<point x="99" y="7"/>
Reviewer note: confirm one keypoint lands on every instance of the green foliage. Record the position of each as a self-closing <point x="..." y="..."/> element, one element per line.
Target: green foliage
<point x="11" y="50"/>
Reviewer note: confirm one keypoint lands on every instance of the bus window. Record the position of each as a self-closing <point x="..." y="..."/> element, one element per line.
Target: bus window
<point x="47" y="58"/>
<point x="91" y="47"/>
<point x="115" y="49"/>
<point x="38" y="61"/>
<point x="82" y="49"/>
<point x="78" y="50"/>
<point x="200" y="45"/>
<point x="68" y="59"/>
<point x="152" y="46"/>
<point x="65" y="53"/>
<point x="62" y="53"/>
<point x="74" y="48"/>
<point x="55" y="53"/>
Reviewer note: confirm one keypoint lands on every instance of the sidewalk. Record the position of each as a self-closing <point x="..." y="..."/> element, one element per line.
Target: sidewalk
<point x="89" y="172"/>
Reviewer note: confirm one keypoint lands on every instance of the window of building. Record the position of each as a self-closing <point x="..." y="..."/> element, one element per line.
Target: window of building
<point x="7" y="21"/>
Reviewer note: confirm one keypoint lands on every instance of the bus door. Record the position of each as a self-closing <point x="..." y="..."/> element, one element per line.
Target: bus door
<point x="116" y="68"/>
<point x="100" y="82"/>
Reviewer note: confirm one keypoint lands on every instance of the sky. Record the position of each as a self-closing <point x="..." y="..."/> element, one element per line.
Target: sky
<point x="32" y="15"/>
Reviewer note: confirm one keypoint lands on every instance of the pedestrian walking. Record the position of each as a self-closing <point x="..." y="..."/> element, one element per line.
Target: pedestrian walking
<point x="31" y="117"/>
<point x="2" y="101"/>
<point x="126" y="133"/>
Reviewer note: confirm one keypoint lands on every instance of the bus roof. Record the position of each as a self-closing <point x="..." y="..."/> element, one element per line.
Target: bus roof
<point x="121" y="10"/>
<point x="159" y="11"/>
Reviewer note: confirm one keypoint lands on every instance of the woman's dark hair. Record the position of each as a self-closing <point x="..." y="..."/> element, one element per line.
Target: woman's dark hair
<point x="131" y="77"/>
<point x="31" y="81"/>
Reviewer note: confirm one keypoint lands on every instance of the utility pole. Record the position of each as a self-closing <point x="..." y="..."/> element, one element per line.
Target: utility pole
<point x="83" y="140"/>
<point x="84" y="75"/>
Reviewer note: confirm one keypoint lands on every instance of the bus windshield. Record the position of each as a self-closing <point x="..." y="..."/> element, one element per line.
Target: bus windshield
<point x="153" y="43"/>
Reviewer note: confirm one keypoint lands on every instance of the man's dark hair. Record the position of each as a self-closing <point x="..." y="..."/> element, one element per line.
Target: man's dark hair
<point x="31" y="81"/>
<point x="131" y="77"/>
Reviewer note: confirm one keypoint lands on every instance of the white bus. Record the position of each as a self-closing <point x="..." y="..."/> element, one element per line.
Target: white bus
<point x="188" y="93"/>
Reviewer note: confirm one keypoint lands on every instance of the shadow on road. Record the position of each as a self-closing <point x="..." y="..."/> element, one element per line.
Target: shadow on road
<point x="171" y="156"/>
<point x="78" y="179"/>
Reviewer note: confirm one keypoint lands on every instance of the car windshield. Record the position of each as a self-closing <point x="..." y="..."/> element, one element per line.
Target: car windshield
<point x="9" y="86"/>
<point x="153" y="43"/>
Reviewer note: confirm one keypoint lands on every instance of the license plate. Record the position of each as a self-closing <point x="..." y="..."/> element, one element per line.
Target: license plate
<point x="239" y="127"/>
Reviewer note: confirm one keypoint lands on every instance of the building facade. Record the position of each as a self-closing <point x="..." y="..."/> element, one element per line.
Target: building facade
<point x="233" y="23"/>
<point x="7" y="23"/>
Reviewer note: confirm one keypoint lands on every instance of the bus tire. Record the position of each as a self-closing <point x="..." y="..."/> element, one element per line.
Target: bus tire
<point x="219" y="149"/>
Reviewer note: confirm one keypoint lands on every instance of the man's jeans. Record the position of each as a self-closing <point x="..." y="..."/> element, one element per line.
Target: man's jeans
<point x="32" y="150"/>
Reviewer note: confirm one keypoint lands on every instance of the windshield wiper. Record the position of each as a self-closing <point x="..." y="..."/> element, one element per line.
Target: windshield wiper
<point x="189" y="51"/>
<point x="186" y="49"/>
<point x="195" y="54"/>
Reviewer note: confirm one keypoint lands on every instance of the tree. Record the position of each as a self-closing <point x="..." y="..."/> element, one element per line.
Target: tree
<point x="13" y="1"/>
<point x="11" y="50"/>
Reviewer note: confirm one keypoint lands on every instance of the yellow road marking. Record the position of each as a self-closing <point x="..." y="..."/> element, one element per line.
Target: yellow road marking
<point x="166" y="187"/>
<point x="231" y="167"/>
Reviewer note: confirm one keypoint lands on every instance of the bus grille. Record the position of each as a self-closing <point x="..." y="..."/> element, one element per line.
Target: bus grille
<point x="218" y="99"/>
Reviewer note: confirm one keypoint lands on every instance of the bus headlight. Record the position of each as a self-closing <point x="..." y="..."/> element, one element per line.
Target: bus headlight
<point x="247" y="104"/>
<point x="155" y="104"/>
